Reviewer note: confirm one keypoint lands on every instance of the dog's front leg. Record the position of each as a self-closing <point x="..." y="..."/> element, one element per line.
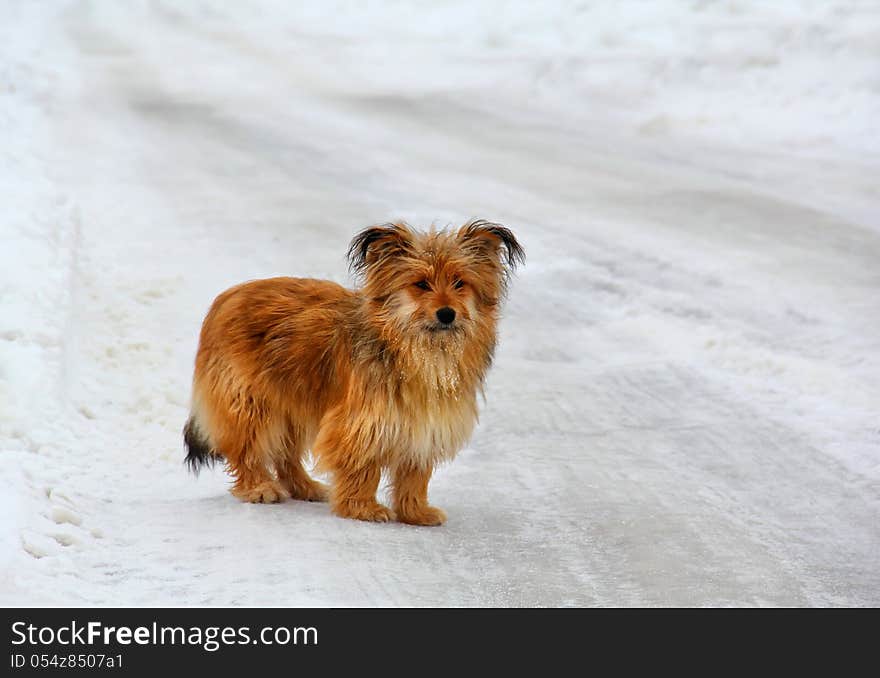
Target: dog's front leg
<point x="354" y="493"/>
<point x="355" y="472"/>
<point x="411" y="496"/>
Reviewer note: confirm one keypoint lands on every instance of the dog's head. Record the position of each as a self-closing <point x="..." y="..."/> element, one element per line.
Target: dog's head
<point x="440" y="284"/>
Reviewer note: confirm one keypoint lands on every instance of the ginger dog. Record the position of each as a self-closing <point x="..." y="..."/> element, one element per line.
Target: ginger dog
<point x="381" y="378"/>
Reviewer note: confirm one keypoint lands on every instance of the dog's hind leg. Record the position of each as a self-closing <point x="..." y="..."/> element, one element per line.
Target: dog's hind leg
<point x="256" y="486"/>
<point x="251" y="468"/>
<point x="296" y="480"/>
<point x="292" y="473"/>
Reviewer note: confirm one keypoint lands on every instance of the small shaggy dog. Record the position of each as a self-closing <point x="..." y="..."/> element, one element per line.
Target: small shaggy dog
<point x="380" y="378"/>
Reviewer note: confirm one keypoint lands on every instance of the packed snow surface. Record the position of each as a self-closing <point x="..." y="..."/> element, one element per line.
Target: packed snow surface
<point x="684" y="405"/>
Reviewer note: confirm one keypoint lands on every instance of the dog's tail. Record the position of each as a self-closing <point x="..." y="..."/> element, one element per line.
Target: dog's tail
<point x="199" y="452"/>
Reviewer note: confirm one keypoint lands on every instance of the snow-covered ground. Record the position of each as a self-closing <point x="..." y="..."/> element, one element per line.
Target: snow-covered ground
<point x="684" y="406"/>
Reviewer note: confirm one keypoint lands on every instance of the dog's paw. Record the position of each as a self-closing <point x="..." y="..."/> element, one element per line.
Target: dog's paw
<point x="363" y="510"/>
<point x="268" y="492"/>
<point x="314" y="491"/>
<point x="422" y="515"/>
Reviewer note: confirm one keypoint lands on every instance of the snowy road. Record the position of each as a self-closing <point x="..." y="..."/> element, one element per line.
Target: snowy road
<point x="683" y="410"/>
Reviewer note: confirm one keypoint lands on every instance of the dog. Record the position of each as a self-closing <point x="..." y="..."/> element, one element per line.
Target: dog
<point x="381" y="378"/>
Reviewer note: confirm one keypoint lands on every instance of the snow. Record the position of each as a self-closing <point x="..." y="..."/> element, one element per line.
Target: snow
<point x="683" y="409"/>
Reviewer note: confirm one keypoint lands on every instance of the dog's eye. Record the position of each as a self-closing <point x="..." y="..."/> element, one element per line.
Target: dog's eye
<point x="458" y="284"/>
<point x="422" y="285"/>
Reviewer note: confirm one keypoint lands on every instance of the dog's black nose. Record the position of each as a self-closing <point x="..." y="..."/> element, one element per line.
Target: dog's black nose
<point x="445" y="315"/>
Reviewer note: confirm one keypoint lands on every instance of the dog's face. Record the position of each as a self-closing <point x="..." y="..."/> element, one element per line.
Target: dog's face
<point x="437" y="284"/>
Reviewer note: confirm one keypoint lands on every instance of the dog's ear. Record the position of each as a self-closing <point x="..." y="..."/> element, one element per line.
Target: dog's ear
<point x="488" y="236"/>
<point x="376" y="242"/>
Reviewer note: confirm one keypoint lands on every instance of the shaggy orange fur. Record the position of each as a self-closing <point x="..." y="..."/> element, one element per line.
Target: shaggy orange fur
<point x="381" y="378"/>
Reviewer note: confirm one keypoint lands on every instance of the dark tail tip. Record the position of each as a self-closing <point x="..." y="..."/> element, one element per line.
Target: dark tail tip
<point x="198" y="451"/>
